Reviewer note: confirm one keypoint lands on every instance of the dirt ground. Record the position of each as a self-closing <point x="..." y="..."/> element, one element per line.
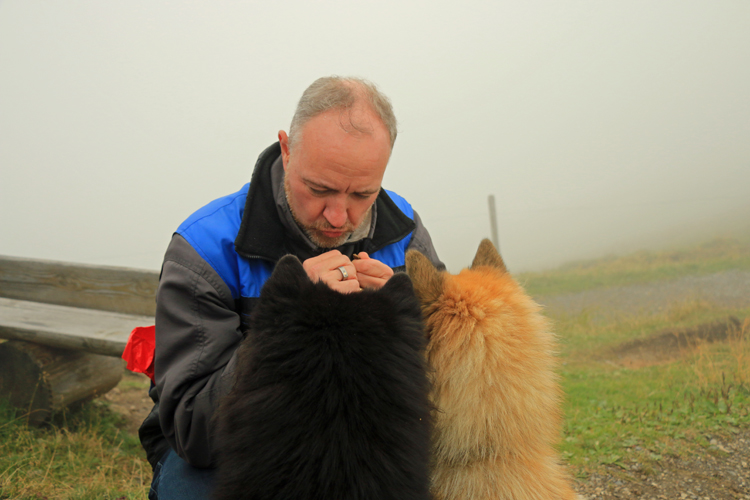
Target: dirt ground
<point x="671" y="344"/>
<point x="130" y="399"/>
<point x="720" y="471"/>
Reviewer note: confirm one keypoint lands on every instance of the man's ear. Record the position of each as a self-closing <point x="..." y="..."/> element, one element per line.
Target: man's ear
<point x="487" y="255"/>
<point x="285" y="150"/>
<point x="426" y="279"/>
<point x="288" y="278"/>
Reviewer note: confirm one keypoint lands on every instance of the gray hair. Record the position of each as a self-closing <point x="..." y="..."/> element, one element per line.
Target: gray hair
<point x="336" y="92"/>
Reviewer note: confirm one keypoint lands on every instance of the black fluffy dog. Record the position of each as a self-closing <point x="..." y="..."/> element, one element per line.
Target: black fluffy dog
<point x="331" y="395"/>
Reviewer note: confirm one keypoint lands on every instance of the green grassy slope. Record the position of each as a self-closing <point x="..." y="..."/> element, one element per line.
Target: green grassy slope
<point x="615" y="414"/>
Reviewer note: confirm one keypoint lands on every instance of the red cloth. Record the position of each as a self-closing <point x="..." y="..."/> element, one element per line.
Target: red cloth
<point x="139" y="351"/>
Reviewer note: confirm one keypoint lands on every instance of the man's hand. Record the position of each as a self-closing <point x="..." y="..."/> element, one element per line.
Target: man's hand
<point x="371" y="273"/>
<point x="325" y="268"/>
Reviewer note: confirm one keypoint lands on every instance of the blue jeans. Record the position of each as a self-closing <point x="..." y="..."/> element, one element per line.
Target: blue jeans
<point x="175" y="479"/>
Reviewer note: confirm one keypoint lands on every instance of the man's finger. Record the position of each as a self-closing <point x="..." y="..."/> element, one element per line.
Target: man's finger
<point x="348" y="286"/>
<point x="372" y="267"/>
<point x="371" y="282"/>
<point x="319" y="268"/>
<point x="343" y="273"/>
<point x="372" y="273"/>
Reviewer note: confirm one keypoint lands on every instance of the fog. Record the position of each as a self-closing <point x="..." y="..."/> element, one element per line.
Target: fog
<point x="599" y="127"/>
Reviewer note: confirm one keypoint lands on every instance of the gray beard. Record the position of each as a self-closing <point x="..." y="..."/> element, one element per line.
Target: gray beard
<point x="359" y="232"/>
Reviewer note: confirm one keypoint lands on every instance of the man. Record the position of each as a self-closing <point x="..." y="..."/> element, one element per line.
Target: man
<point x="315" y="194"/>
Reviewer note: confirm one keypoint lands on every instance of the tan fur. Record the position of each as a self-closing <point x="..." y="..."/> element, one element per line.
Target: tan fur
<point x="495" y="386"/>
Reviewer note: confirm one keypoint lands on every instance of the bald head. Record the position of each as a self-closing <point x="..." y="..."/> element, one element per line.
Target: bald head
<point x="349" y="96"/>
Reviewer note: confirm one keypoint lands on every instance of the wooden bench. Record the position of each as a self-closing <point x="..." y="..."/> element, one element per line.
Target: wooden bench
<point x="66" y="326"/>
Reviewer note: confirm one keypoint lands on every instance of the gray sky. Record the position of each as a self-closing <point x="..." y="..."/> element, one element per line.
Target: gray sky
<point x="600" y="126"/>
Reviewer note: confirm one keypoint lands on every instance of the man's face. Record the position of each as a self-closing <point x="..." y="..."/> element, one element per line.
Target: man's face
<point x="333" y="173"/>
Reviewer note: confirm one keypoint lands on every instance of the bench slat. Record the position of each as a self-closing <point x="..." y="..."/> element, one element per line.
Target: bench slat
<point x="116" y="289"/>
<point x="99" y="332"/>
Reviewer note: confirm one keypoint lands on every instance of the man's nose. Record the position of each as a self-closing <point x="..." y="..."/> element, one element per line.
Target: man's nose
<point x="336" y="212"/>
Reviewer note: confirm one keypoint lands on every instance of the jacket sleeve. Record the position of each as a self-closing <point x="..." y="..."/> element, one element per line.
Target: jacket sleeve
<point x="197" y="335"/>
<point x="420" y="240"/>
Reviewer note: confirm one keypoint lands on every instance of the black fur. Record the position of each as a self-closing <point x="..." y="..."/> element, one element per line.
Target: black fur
<point x="331" y="395"/>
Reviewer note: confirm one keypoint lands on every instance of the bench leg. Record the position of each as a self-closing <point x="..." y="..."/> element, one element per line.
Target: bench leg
<point x="41" y="380"/>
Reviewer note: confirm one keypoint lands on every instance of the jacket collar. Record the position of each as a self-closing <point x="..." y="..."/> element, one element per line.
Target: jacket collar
<point x="263" y="234"/>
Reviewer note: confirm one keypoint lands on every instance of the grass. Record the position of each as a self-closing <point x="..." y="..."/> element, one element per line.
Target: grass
<point x="614" y="416"/>
<point x="585" y="334"/>
<point x="82" y="454"/>
<point x="640" y="267"/>
<point x="618" y="416"/>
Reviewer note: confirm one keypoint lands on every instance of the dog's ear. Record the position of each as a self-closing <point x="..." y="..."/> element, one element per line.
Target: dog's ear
<point x="487" y="255"/>
<point x="288" y="278"/>
<point x="426" y="279"/>
<point x="399" y="286"/>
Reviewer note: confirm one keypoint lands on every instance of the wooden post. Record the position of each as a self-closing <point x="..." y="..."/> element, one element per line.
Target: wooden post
<point x="493" y="221"/>
<point x="41" y="380"/>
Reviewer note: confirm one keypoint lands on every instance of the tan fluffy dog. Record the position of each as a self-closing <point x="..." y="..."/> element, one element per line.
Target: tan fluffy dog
<point x="495" y="386"/>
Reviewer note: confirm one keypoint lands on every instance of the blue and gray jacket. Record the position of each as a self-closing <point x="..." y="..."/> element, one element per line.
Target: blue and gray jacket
<point x="213" y="271"/>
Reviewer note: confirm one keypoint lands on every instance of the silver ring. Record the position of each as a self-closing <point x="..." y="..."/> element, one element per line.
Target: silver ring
<point x="344" y="274"/>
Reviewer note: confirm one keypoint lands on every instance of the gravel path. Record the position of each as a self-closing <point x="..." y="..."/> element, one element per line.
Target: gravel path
<point x="728" y="288"/>
<point x="720" y="472"/>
